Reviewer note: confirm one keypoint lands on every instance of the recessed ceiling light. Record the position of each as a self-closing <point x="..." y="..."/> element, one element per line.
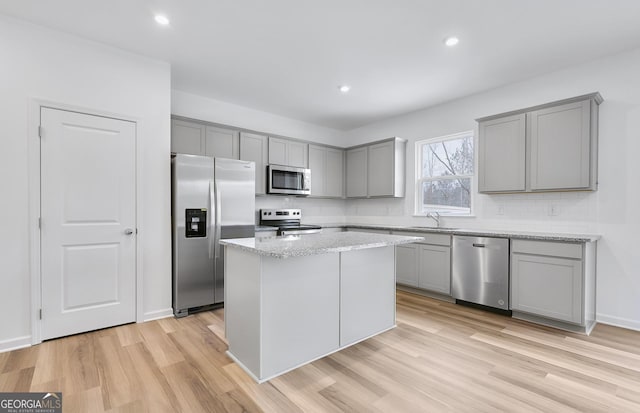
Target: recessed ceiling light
<point x="162" y="20"/>
<point x="451" y="41"/>
<point x="344" y="88"/>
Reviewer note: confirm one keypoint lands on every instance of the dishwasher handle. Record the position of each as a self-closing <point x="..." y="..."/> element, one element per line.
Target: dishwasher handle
<point x="478" y="245"/>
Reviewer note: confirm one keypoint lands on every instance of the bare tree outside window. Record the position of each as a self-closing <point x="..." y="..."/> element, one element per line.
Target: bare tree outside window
<point x="445" y="174"/>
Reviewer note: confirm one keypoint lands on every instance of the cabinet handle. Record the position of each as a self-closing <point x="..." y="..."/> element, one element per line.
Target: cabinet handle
<point x="478" y="245"/>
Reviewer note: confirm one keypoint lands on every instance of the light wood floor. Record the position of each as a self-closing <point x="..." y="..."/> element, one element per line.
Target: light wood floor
<point x="441" y="357"/>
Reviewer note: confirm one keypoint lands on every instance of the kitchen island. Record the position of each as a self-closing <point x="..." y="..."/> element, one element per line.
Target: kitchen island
<point x="292" y="300"/>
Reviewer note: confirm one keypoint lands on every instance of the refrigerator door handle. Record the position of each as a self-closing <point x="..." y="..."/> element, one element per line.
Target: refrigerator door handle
<point x="211" y="225"/>
<point x="217" y="222"/>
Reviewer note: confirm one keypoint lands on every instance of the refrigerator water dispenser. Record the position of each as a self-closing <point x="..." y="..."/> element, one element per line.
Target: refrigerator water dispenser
<point x="196" y="223"/>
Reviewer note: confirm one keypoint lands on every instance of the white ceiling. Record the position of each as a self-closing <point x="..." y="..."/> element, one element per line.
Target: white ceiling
<point x="289" y="56"/>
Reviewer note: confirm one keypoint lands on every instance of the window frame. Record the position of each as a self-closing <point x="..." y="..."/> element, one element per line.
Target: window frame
<point x="419" y="179"/>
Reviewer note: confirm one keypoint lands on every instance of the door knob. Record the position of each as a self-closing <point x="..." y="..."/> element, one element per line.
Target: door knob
<point x="128" y="231"/>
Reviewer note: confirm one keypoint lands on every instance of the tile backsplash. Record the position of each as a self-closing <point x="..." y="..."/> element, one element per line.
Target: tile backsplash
<point x="573" y="212"/>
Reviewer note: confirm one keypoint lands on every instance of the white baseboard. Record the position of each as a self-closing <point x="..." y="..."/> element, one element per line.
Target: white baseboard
<point x="155" y="315"/>
<point x="618" y="321"/>
<point x="15" y="343"/>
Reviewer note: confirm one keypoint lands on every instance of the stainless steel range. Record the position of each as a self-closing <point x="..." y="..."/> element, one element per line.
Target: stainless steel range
<point x="287" y="221"/>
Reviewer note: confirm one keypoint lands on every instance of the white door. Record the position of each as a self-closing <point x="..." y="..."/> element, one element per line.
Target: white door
<point x="88" y="246"/>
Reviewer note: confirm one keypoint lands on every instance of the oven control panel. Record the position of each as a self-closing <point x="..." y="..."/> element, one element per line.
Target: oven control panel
<point x="280" y="214"/>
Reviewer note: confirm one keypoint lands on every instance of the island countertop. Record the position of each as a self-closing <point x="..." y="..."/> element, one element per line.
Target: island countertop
<point x="303" y="245"/>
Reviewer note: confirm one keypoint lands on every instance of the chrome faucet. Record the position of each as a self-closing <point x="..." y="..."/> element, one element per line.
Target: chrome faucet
<point x="434" y="216"/>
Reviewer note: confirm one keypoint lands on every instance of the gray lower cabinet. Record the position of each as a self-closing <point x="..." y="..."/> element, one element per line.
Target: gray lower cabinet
<point x="551" y="147"/>
<point x="407" y="264"/>
<point x="253" y="147"/>
<point x="554" y="280"/>
<point x="425" y="265"/>
<point x="435" y="268"/>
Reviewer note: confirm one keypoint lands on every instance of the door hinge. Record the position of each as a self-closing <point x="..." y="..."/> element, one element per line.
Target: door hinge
<point x="40" y="314"/>
<point x="39" y="223"/>
<point x="40" y="131"/>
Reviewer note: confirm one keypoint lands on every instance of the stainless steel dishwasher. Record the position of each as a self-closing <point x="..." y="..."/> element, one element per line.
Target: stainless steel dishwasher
<point x="480" y="271"/>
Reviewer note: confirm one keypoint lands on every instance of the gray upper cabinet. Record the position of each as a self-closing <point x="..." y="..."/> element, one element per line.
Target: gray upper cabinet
<point x="317" y="165"/>
<point x="561" y="147"/>
<point x="334" y="173"/>
<point x="326" y="165"/>
<point x="381" y="166"/>
<point x="288" y="152"/>
<point x="551" y="147"/>
<point x="187" y="137"/>
<point x="377" y="169"/>
<point x="253" y="147"/>
<point x="298" y="154"/>
<point x="501" y="154"/>
<point x="222" y="143"/>
<point x="277" y="151"/>
<point x="195" y="138"/>
<point x="357" y="172"/>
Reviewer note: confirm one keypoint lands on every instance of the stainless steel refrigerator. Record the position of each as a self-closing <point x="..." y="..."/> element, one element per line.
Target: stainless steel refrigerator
<point x="211" y="199"/>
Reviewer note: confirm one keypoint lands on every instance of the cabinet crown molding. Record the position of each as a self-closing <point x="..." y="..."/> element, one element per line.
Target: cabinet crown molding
<point x="597" y="98"/>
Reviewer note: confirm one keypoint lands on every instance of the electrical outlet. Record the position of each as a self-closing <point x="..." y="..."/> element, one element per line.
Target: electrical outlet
<point x="553" y="210"/>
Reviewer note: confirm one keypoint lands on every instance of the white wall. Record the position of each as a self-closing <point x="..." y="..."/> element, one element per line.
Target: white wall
<point x="612" y="211"/>
<point x="49" y="65"/>
<point x="211" y="110"/>
<point x="202" y="108"/>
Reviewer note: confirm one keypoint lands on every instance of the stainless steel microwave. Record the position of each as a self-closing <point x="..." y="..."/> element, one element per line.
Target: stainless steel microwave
<point x="288" y="180"/>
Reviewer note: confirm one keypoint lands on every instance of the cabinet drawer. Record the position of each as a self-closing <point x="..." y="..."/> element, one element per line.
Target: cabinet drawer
<point x="432" y="239"/>
<point x="549" y="248"/>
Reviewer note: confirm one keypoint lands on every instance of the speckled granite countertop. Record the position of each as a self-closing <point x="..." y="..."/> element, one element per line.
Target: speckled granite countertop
<point x="298" y="246"/>
<point x="536" y="236"/>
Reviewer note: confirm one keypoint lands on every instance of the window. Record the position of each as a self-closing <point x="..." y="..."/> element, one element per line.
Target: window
<point x="444" y="174"/>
